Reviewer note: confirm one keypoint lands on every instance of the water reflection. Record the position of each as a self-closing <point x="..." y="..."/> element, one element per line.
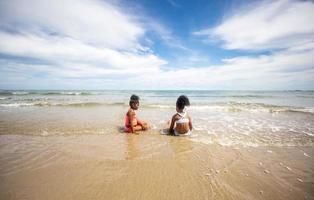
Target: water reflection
<point x="132" y="147"/>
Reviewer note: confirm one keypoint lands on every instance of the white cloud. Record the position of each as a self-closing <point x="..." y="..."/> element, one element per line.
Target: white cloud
<point x="75" y="38"/>
<point x="266" y="25"/>
<point x="281" y="70"/>
<point x="292" y="69"/>
<point x="56" y="50"/>
<point x="165" y="34"/>
<point x="91" y="21"/>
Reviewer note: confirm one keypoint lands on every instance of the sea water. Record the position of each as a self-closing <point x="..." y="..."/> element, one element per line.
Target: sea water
<point x="231" y="118"/>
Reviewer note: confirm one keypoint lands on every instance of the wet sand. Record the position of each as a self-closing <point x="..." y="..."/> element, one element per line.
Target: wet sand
<point x="149" y="166"/>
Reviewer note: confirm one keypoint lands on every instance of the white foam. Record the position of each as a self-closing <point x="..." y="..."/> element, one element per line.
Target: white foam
<point x="20" y="93"/>
<point x="16" y="104"/>
<point x="199" y="128"/>
<point x="153" y="127"/>
<point x="306" y="109"/>
<point x="306" y="155"/>
<point x="308" y="133"/>
<point x="71" y="93"/>
<point x="161" y="106"/>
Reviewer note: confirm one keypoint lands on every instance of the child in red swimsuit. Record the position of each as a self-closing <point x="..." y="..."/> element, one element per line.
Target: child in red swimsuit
<point x="131" y="122"/>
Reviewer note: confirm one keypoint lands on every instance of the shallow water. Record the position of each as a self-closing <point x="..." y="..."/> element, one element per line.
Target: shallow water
<point x="224" y="127"/>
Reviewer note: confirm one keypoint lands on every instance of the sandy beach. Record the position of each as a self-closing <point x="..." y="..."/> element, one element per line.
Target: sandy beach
<point x="149" y="166"/>
<point x="58" y="148"/>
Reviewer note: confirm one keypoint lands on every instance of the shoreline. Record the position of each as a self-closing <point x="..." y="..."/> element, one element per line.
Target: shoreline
<point x="150" y="166"/>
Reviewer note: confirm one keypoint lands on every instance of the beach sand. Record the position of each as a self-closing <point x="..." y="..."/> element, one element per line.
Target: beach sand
<point x="60" y="149"/>
<point x="149" y="166"/>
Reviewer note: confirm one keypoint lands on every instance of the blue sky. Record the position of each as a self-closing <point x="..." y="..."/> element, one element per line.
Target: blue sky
<point x="148" y="44"/>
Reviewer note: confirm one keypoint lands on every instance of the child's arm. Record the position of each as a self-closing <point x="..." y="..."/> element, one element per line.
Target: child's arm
<point x="190" y="123"/>
<point x="131" y="117"/>
<point x="171" y="129"/>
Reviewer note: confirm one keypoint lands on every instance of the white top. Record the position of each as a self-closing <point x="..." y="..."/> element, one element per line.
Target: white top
<point x="183" y="119"/>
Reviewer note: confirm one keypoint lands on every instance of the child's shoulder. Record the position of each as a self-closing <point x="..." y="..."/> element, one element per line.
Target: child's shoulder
<point x="175" y="116"/>
<point x="130" y="112"/>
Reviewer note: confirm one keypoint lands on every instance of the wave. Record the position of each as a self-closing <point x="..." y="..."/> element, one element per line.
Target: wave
<point x="216" y="96"/>
<point x="66" y="93"/>
<point x="4" y="93"/>
<point x="262" y="107"/>
<point x="17" y="93"/>
<point x="72" y="104"/>
<point x="295" y="110"/>
<point x="242" y="107"/>
<point x="16" y="104"/>
<point x="158" y="106"/>
<point x="214" y="107"/>
<point x="5" y="98"/>
<point x="21" y="93"/>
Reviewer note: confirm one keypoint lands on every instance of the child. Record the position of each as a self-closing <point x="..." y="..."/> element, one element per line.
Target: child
<point x="131" y="122"/>
<point x="181" y="123"/>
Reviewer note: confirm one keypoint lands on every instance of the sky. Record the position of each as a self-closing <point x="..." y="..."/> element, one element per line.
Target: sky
<point x="157" y="44"/>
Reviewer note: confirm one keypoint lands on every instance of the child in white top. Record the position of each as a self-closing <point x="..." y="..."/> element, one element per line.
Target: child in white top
<point x="181" y="122"/>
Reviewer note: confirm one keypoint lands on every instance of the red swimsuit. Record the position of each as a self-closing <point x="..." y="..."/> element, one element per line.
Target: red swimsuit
<point x="127" y="123"/>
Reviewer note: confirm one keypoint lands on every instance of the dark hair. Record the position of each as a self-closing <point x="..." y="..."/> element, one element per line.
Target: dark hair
<point x="182" y="101"/>
<point x="134" y="99"/>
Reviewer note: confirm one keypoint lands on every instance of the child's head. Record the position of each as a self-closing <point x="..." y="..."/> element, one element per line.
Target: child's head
<point x="134" y="102"/>
<point x="182" y="101"/>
